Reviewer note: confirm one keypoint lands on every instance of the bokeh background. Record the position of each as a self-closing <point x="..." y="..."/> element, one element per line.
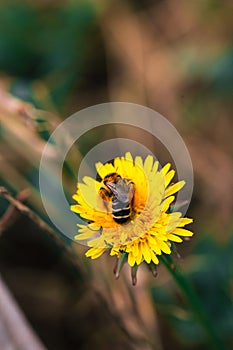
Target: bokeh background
<point x="57" y="57"/>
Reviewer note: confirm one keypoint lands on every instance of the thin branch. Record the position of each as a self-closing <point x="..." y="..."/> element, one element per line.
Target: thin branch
<point x="12" y="213"/>
<point x="23" y="209"/>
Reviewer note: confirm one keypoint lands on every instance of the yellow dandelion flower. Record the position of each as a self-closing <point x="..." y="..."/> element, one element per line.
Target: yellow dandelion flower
<point x="128" y="212"/>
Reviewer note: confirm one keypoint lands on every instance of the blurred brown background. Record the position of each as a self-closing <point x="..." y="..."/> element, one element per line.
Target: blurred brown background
<point x="57" y="57"/>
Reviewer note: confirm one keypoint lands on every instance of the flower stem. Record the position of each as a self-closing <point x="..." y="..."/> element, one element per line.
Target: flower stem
<point x="194" y="302"/>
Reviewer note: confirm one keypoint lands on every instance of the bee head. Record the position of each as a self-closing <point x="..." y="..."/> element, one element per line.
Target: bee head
<point x="111" y="178"/>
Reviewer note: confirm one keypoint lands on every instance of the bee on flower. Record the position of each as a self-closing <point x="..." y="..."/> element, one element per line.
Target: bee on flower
<point x="128" y="212"/>
<point x="120" y="191"/>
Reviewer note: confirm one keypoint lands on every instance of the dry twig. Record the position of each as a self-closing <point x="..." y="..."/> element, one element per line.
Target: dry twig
<point x="23" y="209"/>
<point x="12" y="213"/>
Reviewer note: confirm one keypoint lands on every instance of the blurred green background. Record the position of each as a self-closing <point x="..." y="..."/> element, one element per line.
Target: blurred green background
<point x="57" y="57"/>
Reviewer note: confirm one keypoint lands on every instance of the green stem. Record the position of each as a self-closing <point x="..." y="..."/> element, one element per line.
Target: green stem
<point x="193" y="301"/>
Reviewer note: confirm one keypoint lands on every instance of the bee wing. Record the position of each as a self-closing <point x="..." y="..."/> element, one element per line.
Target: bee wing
<point x="113" y="187"/>
<point x="123" y="193"/>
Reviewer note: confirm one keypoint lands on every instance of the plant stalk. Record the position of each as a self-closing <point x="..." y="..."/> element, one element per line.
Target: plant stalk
<point x="194" y="302"/>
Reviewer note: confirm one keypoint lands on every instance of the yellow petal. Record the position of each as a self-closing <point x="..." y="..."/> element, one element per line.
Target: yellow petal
<point x="92" y="183"/>
<point x="85" y="192"/>
<point x="75" y="197"/>
<point x="131" y="259"/>
<point x="183" y="232"/>
<point x="173" y="220"/>
<point x="154" y="258"/>
<point x="155" y="167"/>
<point x="146" y="252"/>
<point x="86" y="235"/>
<point x="127" y="169"/>
<point x="128" y="156"/>
<point x="114" y="251"/>
<point x="123" y="237"/>
<point x="166" y="204"/>
<point x="165" y="169"/>
<point x="156" y="249"/>
<point x="185" y="221"/>
<point x="74" y="208"/>
<point x="118" y="166"/>
<point x="164" y="247"/>
<point x="95" y="253"/>
<point x="174" y="238"/>
<point x="139" y="256"/>
<point x="174" y="188"/>
<point x="104" y="169"/>
<point x="138" y="162"/>
<point x="98" y="242"/>
<point x="168" y="177"/>
<point x="148" y="164"/>
<point x="135" y="249"/>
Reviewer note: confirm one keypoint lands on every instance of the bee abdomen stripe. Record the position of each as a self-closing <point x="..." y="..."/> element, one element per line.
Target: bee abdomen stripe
<point x="121" y="219"/>
<point x="115" y="210"/>
<point x="121" y="213"/>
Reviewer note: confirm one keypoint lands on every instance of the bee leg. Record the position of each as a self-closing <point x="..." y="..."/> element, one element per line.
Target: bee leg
<point x="105" y="194"/>
<point x="131" y="192"/>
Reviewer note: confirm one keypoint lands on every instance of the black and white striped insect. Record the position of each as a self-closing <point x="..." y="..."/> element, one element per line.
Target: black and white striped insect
<point x="121" y="192"/>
